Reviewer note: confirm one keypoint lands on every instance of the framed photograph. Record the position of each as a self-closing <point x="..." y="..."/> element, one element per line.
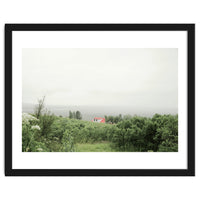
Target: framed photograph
<point x="99" y="99"/>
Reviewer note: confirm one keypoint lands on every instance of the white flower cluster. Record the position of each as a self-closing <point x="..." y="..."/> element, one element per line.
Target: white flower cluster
<point x="26" y="118"/>
<point x="36" y="127"/>
<point x="39" y="149"/>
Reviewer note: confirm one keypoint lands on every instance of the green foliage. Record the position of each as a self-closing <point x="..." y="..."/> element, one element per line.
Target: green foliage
<point x="94" y="147"/>
<point x="78" y="115"/>
<point x="39" y="108"/>
<point x="68" y="141"/>
<point x="70" y="114"/>
<point x="46" y="120"/>
<point x="143" y="134"/>
<point x="75" y="115"/>
<point x="113" y="119"/>
<point x="134" y="134"/>
<point x="30" y="129"/>
<point x="169" y="135"/>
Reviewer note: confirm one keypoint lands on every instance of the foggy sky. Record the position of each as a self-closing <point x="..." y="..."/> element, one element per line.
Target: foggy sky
<point x="135" y="78"/>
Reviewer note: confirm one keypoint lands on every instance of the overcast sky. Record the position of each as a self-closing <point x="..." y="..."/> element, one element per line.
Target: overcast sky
<point x="142" y="78"/>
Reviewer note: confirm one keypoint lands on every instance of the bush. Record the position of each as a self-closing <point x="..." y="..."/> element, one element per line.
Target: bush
<point x="135" y="134"/>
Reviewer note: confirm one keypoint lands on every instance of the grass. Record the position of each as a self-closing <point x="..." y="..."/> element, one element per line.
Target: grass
<point x="95" y="147"/>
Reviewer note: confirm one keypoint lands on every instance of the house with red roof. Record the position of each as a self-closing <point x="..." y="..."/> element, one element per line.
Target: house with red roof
<point x="99" y="120"/>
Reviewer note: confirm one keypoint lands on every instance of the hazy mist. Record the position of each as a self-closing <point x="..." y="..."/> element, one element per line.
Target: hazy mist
<point x="135" y="81"/>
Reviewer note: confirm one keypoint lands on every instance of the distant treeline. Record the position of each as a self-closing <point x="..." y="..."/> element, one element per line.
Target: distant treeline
<point x="75" y="115"/>
<point x="115" y="119"/>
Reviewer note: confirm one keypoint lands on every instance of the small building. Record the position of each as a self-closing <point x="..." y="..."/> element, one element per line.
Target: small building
<point x="99" y="120"/>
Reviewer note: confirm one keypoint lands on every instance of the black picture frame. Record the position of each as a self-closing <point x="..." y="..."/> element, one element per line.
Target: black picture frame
<point x="190" y="28"/>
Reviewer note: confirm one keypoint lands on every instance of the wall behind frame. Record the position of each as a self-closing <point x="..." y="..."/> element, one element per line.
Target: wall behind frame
<point x="104" y="11"/>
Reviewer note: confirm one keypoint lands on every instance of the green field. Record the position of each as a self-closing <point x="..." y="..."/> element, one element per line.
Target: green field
<point x="96" y="147"/>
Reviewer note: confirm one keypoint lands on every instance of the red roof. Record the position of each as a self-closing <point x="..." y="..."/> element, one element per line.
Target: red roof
<point x="100" y="119"/>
